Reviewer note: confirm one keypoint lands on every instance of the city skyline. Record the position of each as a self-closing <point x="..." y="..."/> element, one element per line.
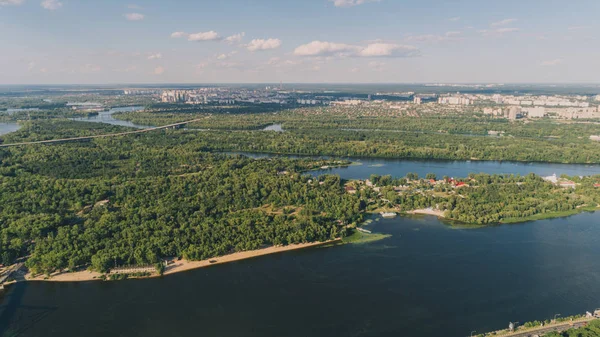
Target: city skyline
<point x="313" y="41"/>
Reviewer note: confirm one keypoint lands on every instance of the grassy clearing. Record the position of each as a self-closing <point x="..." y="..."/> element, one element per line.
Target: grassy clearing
<point x="551" y="215"/>
<point x="360" y="238"/>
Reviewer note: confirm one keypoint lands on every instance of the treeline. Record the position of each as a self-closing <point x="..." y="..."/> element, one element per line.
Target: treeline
<point x="484" y="198"/>
<point x="135" y="200"/>
<point x="360" y="118"/>
<point x="404" y="145"/>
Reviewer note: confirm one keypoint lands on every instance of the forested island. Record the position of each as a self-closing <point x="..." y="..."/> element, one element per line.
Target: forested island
<point x="381" y="133"/>
<point x="138" y="199"/>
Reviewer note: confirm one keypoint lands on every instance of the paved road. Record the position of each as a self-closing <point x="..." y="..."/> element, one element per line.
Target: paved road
<point x="100" y="136"/>
<point x="546" y="329"/>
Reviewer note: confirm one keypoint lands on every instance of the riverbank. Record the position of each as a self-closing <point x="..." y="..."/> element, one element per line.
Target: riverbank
<point x="428" y="211"/>
<point x="178" y="266"/>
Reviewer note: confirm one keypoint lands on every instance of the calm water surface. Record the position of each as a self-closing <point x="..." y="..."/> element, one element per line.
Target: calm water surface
<point x="107" y="118"/>
<point x="8" y="128"/>
<point x="426" y="280"/>
<point x="400" y="167"/>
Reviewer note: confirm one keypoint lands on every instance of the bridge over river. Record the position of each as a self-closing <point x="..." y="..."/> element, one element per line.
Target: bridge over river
<point x="119" y="134"/>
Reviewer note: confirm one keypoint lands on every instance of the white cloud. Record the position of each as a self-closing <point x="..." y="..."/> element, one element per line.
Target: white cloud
<point x="226" y="56"/>
<point x="387" y="50"/>
<point x="321" y="48"/>
<point x="135" y="16"/>
<point x="454" y="19"/>
<point x="177" y="35"/>
<point x="159" y="70"/>
<point x="155" y="56"/>
<point x="350" y="3"/>
<point x="11" y="2"/>
<point x="498" y="31"/>
<point x="204" y="36"/>
<point x="235" y="38"/>
<point x="576" y="28"/>
<point x="51" y="4"/>
<point x="134" y="6"/>
<point x="503" y="22"/>
<point x="262" y="44"/>
<point x="377" y="49"/>
<point x="506" y="30"/>
<point x="551" y="63"/>
<point x="277" y="62"/>
<point x="31" y="65"/>
<point x="452" y="33"/>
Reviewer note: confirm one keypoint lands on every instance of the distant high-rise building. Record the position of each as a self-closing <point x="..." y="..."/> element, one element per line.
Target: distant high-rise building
<point x="417" y="100"/>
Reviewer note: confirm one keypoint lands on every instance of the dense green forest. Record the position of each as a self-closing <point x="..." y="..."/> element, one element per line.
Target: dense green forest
<point x="364" y="133"/>
<point x="134" y="200"/>
<point x="139" y="198"/>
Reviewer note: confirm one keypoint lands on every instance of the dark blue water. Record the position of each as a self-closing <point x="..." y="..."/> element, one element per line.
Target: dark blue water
<point x="426" y="280"/>
<point x="400" y="167"/>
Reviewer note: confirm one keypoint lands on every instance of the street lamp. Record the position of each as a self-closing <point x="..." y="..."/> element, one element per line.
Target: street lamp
<point x="555" y="317"/>
<point x="472" y="332"/>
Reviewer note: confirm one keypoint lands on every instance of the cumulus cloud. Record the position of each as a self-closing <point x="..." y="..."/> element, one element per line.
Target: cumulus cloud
<point x="263" y="44"/>
<point x="135" y="16"/>
<point x="235" y="38"/>
<point x="204" y="36"/>
<point x="11" y="2"/>
<point x="377" y="49"/>
<point x="51" y="4"/>
<point x="155" y="56"/>
<point x="503" y="22"/>
<point x="350" y="3"/>
<point x="177" y="35"/>
<point x="387" y="50"/>
<point x="159" y="70"/>
<point x="551" y="63"/>
<point x="321" y="48"/>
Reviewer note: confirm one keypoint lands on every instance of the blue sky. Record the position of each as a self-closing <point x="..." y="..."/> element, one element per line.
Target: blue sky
<point x="177" y="41"/>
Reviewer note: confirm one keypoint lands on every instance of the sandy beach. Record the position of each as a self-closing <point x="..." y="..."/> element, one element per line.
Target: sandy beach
<point x="428" y="211"/>
<point x="181" y="265"/>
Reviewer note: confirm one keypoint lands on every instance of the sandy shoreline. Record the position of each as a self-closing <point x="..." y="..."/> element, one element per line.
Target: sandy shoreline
<point x="182" y="265"/>
<point x="428" y="211"/>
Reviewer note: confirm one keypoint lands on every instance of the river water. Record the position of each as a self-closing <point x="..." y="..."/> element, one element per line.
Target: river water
<point x="427" y="280"/>
<point x="8" y="128"/>
<point x="364" y="167"/>
<point x="107" y="118"/>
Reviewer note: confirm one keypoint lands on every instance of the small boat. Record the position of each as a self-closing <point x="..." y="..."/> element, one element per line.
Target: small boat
<point x="388" y="214"/>
<point x="363" y="230"/>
